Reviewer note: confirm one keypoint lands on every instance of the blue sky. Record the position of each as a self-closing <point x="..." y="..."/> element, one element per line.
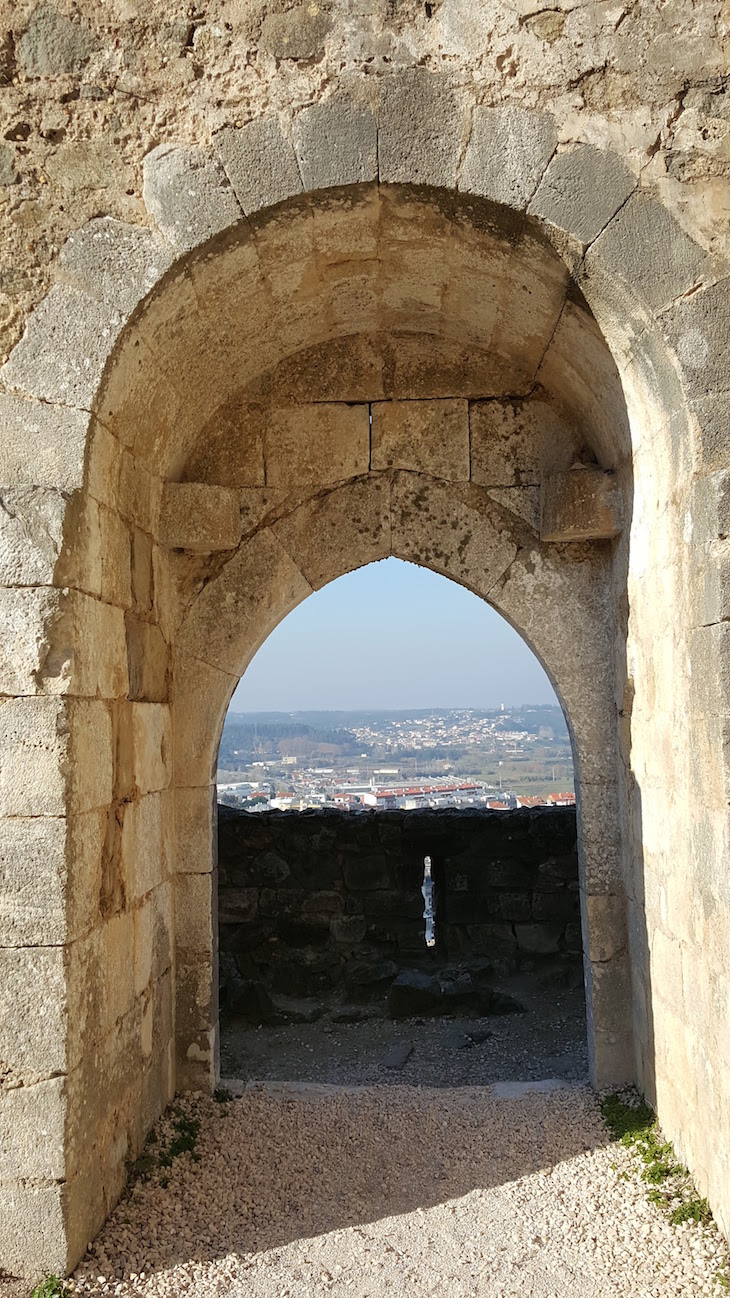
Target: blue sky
<point x="392" y="635"/>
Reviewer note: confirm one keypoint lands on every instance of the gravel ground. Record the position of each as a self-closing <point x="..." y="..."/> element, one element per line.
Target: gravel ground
<point x="409" y="1192"/>
<point x="549" y="1040"/>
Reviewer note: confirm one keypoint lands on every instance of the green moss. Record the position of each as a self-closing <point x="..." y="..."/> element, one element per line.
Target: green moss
<point x="222" y="1096"/>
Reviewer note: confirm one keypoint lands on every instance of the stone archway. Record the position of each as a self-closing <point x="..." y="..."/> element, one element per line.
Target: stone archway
<point x="353" y="339"/>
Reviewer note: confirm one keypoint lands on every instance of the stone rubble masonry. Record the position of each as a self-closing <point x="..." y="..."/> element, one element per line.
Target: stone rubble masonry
<point x="320" y="215"/>
<point x="318" y="904"/>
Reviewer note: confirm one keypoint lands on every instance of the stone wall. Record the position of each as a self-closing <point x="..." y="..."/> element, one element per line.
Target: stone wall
<point x="285" y="289"/>
<point x="327" y="905"/>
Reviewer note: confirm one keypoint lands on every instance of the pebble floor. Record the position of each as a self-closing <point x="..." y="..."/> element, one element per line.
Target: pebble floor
<point x="305" y="1190"/>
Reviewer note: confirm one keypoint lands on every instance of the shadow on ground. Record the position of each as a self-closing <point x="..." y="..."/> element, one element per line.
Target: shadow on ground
<point x="277" y="1166"/>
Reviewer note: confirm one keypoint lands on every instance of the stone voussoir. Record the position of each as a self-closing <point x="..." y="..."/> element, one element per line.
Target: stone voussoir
<point x="260" y="163"/>
<point x="64" y="349"/>
<point x="421" y="129"/>
<point x="91" y="258"/>
<point x="187" y="192"/>
<point x="582" y="190"/>
<point x="336" y="143"/>
<point x="649" y="250"/>
<point x="509" y="149"/>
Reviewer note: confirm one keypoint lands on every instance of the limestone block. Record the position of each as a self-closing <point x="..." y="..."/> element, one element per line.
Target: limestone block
<point x="142" y="570"/>
<point x="420" y="130"/>
<point x="34" y="748"/>
<point x="114" y="262"/>
<point x="713" y="415"/>
<point x="698" y="328"/>
<point x="600" y="847"/>
<point x="147" y="660"/>
<point x="199" y="517"/>
<point x="152" y="741"/>
<point x="584" y="504"/>
<point x="260" y="163"/>
<point x="33" y="881"/>
<point x="50" y="878"/>
<point x="237" y="610"/>
<point x="104" y="466"/>
<point x="34" y="1021"/>
<point x="64" y="349"/>
<point x="610" y="1031"/>
<point x="514" y="442"/>
<point x="60" y="642"/>
<point x="581" y="190"/>
<point x="32" y="1123"/>
<point x="336" y="143"/>
<point x="115" y="545"/>
<point x="338" y="531"/>
<point x="188" y="194"/>
<point x="195" y="829"/>
<point x="41" y="444"/>
<point x="195" y="915"/>
<point x="450" y="530"/>
<point x="31" y="535"/>
<point x="31" y="619"/>
<point x="257" y="503"/>
<point x="140" y="493"/>
<point x="143" y="858"/>
<point x="508" y="151"/>
<point x="117" y="946"/>
<point x="202" y="694"/>
<point x="604" y="925"/>
<point x="312" y="445"/>
<point x="33" y="1235"/>
<point x="523" y="502"/>
<point x="650" y="251"/>
<point x="425" y="436"/>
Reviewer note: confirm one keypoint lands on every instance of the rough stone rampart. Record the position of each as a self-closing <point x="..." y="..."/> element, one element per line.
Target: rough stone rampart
<point x="328" y="905"/>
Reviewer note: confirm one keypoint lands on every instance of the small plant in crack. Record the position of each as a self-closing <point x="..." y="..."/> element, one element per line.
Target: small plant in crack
<point x="222" y="1095"/>
<point x="51" y="1287"/>
<point x="634" y="1125"/>
<point x="184" y="1141"/>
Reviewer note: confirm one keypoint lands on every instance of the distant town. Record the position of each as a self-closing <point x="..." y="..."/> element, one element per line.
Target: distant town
<point x="498" y="758"/>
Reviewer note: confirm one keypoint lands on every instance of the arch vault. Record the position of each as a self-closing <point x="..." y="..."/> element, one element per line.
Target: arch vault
<point x="341" y="337"/>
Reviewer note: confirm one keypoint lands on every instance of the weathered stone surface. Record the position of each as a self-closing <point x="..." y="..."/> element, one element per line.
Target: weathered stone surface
<point x="198" y="517"/>
<point x="581" y="190"/>
<point x="582" y="505"/>
<point x="31" y="535"/>
<point x="8" y="171"/>
<point x="299" y="33"/>
<point x="316" y="444"/>
<point x="64" y="349"/>
<point x="41" y="444"/>
<point x="91" y="258"/>
<point x="353" y="521"/>
<point x="698" y="328"/>
<point x="509" y="149"/>
<point x="478" y="551"/>
<point x="188" y="194"/>
<point x="147" y="660"/>
<point x="427" y="436"/>
<point x="260" y="163"/>
<point x="514" y="443"/>
<point x="420" y="125"/>
<point x="336" y="142"/>
<point x="152" y="740"/>
<point x="53" y="44"/>
<point x="237" y="610"/>
<point x="650" y="251"/>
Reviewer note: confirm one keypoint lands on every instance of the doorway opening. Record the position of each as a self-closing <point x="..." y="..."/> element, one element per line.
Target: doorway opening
<point x="398" y="885"/>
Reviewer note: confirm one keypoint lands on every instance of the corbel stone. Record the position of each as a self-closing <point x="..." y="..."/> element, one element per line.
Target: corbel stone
<point x="584" y="504"/>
